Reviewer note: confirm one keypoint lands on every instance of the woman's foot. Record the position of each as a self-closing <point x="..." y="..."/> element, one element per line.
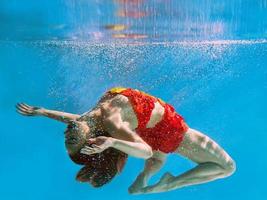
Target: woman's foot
<point x="139" y="183"/>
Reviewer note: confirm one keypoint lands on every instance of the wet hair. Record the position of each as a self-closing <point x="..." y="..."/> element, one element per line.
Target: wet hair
<point x="99" y="168"/>
<point x="102" y="168"/>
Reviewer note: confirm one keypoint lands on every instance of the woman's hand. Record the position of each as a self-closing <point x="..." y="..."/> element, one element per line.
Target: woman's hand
<point x="97" y="145"/>
<point x="27" y="110"/>
<point x="138" y="184"/>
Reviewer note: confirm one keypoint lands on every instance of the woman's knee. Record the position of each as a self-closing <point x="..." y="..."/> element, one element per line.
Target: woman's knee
<point x="229" y="167"/>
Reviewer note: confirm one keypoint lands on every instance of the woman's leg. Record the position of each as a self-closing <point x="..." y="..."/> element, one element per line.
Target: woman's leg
<point x="152" y="166"/>
<point x="213" y="163"/>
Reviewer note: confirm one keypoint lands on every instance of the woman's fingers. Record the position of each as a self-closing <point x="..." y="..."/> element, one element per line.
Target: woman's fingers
<point x="26" y="110"/>
<point x="98" y="140"/>
<point x="25" y="106"/>
<point x="22" y="110"/>
<point x="30" y="107"/>
<point x="96" y="146"/>
<point x="23" y="113"/>
<point x="20" y="105"/>
<point x="91" y="150"/>
<point x="86" y="151"/>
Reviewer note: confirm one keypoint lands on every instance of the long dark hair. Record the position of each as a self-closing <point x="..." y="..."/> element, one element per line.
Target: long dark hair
<point x="100" y="168"/>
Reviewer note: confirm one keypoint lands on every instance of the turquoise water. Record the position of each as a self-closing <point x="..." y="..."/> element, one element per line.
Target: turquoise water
<point x="218" y="84"/>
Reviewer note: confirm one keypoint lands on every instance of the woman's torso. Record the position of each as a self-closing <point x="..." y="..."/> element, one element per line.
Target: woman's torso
<point x="154" y="121"/>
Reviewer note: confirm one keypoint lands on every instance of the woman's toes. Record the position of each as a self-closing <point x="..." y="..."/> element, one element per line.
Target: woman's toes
<point x="166" y="177"/>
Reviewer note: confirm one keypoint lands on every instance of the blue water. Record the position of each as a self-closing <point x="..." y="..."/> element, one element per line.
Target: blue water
<point x="218" y="83"/>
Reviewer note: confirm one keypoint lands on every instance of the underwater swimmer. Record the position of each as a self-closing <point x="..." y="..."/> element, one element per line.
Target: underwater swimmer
<point x="145" y="127"/>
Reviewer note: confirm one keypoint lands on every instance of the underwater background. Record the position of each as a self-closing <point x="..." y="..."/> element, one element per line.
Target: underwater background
<point x="207" y="58"/>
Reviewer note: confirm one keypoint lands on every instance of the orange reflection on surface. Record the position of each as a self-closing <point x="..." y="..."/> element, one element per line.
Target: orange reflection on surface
<point x="135" y="2"/>
<point x="129" y="36"/>
<point x="131" y="13"/>
<point x="116" y="27"/>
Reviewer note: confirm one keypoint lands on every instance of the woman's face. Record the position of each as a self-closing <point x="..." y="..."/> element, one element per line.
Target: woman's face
<point x="75" y="136"/>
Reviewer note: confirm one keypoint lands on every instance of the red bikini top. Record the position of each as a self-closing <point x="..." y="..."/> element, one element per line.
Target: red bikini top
<point x="167" y="134"/>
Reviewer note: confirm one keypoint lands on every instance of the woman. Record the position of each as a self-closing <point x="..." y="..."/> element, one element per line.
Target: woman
<point x="143" y="126"/>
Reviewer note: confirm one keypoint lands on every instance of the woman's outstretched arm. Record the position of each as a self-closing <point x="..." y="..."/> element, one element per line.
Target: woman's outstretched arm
<point x="27" y="110"/>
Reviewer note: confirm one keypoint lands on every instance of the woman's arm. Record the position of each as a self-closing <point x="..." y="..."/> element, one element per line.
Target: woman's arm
<point x="27" y="110"/>
<point x="101" y="143"/>
<point x="136" y="149"/>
